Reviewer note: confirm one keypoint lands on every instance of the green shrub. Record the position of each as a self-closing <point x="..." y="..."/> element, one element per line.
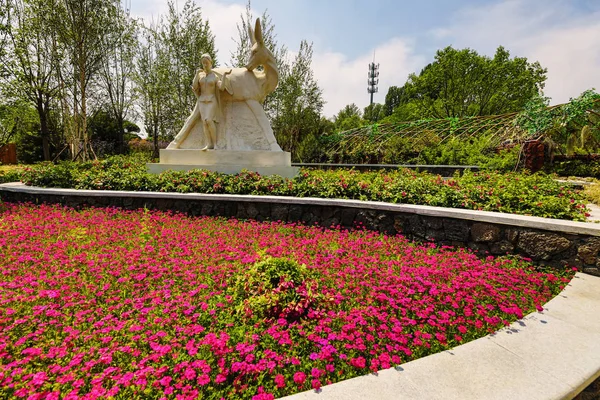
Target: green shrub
<point x="583" y="168"/>
<point x="11" y="175"/>
<point x="277" y="288"/>
<point x="520" y="193"/>
<point x="427" y="148"/>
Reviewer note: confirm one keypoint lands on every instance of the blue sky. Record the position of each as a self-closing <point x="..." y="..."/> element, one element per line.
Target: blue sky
<point x="563" y="35"/>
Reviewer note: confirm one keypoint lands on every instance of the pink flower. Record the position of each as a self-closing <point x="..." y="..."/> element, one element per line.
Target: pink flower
<point x="300" y="377"/>
<point x="39" y="379"/>
<point x="166" y="380"/>
<point x="358" y="362"/>
<point x="203" y="380"/>
<point x="189" y="374"/>
<point x="279" y="381"/>
<point x="316" y="384"/>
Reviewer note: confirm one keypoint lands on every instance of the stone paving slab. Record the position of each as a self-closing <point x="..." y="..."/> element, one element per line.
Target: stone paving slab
<point x="554" y="354"/>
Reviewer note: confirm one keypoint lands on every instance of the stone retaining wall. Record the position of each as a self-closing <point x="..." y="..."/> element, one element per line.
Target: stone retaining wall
<point x="546" y="241"/>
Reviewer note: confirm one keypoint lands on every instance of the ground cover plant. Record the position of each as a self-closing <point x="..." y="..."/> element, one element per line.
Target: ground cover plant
<point x="103" y="303"/>
<point x="10" y="173"/>
<point x="519" y="193"/>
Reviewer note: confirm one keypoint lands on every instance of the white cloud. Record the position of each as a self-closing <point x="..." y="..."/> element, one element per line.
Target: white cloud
<point x="551" y="32"/>
<point x="344" y="81"/>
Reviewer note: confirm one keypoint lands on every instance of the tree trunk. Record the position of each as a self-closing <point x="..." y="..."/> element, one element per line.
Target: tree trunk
<point x="44" y="131"/>
<point x="86" y="142"/>
<point x="120" y="137"/>
<point x="155" y="153"/>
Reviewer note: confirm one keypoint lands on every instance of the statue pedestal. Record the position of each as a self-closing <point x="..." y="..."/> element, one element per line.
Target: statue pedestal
<point x="226" y="161"/>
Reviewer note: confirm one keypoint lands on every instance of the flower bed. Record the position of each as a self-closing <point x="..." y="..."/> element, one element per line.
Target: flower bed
<point x="102" y="302"/>
<point x="537" y="195"/>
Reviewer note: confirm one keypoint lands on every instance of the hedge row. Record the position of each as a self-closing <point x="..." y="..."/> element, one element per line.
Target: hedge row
<point x="526" y="194"/>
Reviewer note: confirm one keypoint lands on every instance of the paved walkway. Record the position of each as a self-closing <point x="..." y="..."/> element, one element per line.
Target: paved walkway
<point x="554" y="354"/>
<point x="594" y="213"/>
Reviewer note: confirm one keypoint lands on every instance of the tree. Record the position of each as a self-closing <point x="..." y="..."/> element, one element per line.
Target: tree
<point x="5" y="8"/>
<point x="151" y="80"/>
<point x="83" y="27"/>
<point x="19" y="124"/>
<point x="463" y="83"/>
<point x="240" y="56"/>
<point x="298" y="120"/>
<point x="13" y="121"/>
<point x="373" y="112"/>
<point x="117" y="71"/>
<point x="31" y="71"/>
<point x="185" y="36"/>
<point x="348" y="118"/>
<point x="394" y="97"/>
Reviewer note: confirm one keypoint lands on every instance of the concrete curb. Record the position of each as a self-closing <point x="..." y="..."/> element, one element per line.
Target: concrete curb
<point x="548" y="224"/>
<point x="554" y="354"/>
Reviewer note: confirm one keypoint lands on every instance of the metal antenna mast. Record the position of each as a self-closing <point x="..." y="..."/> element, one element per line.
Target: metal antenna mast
<point x="373" y="78"/>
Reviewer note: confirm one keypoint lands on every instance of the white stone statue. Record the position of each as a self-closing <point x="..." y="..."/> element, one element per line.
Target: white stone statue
<point x="207" y="86"/>
<point x="228" y="130"/>
<point x="229" y="104"/>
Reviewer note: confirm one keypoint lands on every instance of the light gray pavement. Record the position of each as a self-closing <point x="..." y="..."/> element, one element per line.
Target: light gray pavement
<point x="547" y="355"/>
<point x="594" y="213"/>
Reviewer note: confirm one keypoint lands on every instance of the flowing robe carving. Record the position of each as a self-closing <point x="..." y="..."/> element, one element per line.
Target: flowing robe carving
<point x="243" y="123"/>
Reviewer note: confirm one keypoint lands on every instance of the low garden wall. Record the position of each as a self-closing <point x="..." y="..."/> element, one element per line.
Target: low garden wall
<point x="546" y="241"/>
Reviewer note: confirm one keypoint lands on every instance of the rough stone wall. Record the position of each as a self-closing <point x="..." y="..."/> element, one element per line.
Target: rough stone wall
<point x="544" y="247"/>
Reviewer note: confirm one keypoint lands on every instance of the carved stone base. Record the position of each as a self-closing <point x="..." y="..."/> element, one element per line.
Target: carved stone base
<point x="226" y="161"/>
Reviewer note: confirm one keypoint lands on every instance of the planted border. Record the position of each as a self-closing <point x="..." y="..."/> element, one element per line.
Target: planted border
<point x="150" y="304"/>
<point x="536" y="195"/>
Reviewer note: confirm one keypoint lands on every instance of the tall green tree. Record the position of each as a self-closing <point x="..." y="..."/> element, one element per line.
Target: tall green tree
<point x="463" y="83"/>
<point x="83" y="27"/>
<point x="348" y="118"/>
<point x="394" y="98"/>
<point x="298" y="121"/>
<point x="151" y="82"/>
<point x="185" y="35"/>
<point x="29" y="72"/>
<point x="5" y="6"/>
<point x="240" y="57"/>
<point x="373" y="112"/>
<point x="118" y="70"/>
<point x="16" y="120"/>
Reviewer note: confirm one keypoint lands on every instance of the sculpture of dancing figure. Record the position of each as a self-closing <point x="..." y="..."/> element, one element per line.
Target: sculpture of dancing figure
<point x="207" y="86"/>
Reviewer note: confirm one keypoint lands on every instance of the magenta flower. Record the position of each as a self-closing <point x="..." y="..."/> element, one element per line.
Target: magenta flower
<point x="300" y="377"/>
<point x="131" y="302"/>
<point x="279" y="381"/>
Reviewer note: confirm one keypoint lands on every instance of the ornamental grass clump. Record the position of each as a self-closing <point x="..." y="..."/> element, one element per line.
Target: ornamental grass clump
<point x="277" y="288"/>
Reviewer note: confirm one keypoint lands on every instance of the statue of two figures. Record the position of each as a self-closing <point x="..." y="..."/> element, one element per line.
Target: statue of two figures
<point x="228" y="114"/>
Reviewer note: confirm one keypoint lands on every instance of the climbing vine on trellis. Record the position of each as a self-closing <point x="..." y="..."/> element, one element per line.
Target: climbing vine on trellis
<point x="575" y="124"/>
